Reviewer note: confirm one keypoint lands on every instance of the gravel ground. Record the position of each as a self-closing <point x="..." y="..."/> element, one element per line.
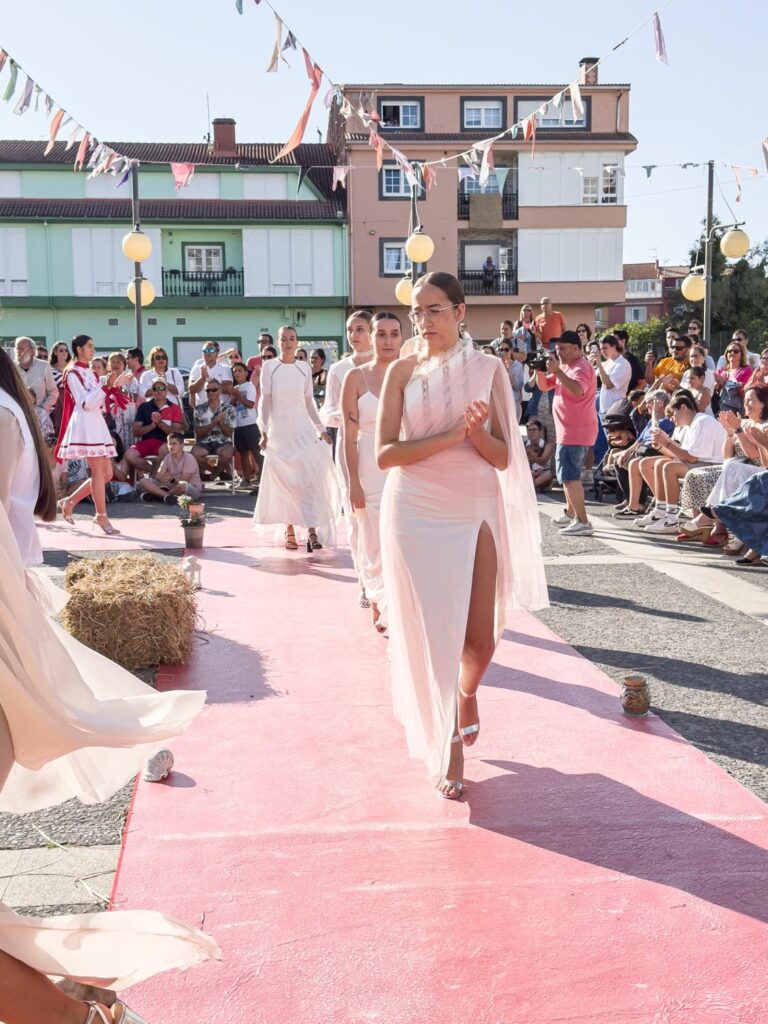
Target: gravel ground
<point x="704" y="661"/>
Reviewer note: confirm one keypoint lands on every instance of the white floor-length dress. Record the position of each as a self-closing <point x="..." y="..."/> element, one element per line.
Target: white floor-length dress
<point x="331" y="415"/>
<point x="431" y="516"/>
<point x="18" y="464"/>
<point x="73" y="724"/>
<point x="372" y="480"/>
<point x="298" y="482"/>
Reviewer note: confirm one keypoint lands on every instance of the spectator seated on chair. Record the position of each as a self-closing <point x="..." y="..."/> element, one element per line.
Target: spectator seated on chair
<point x="179" y="473"/>
<point x="155" y="420"/>
<point x="539" y="451"/>
<point x="699" y="441"/>
<point x="745" y="514"/>
<point x="214" y="429"/>
<point x="632" y="488"/>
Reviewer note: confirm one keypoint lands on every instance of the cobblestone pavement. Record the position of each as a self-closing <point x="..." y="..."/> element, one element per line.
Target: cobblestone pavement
<point x="704" y="658"/>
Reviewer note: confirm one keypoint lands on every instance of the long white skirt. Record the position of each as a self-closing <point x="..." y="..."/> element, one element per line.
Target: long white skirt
<point x="730" y="480"/>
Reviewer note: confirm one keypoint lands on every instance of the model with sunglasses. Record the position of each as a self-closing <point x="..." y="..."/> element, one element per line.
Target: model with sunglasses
<point x="84" y="433"/>
<point x="459" y="528"/>
<point x="298" y="481"/>
<point x="159" y="366"/>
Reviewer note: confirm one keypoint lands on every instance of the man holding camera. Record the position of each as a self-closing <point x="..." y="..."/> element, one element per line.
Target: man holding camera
<point x="573" y="381"/>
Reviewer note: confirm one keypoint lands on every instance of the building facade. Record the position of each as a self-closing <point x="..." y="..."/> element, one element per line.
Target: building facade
<point x="650" y="291"/>
<point x="246" y="247"/>
<point x="551" y="219"/>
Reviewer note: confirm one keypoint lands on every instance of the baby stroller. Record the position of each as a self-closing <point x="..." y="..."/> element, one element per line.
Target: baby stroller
<point x="617" y="418"/>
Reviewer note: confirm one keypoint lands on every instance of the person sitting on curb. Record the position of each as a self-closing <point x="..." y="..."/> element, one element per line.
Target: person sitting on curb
<point x="214" y="430"/>
<point x="179" y="473"/>
<point x="539" y="452"/>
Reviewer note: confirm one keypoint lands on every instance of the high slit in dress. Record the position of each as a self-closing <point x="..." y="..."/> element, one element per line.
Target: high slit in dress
<point x="431" y="515"/>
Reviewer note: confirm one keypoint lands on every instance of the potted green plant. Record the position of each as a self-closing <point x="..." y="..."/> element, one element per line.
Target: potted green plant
<point x="192" y="521"/>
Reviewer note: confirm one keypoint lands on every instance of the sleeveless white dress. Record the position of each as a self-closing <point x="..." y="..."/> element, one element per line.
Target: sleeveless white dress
<point x="25" y="488"/>
<point x="298" y="482"/>
<point x="372" y="480"/>
<point x="431" y="515"/>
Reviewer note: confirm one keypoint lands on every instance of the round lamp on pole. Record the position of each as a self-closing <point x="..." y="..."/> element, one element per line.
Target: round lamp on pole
<point x="694" y="288"/>
<point x="419" y="247"/>
<point x="404" y="290"/>
<point x="147" y="292"/>
<point x="734" y="244"/>
<point x="137" y="246"/>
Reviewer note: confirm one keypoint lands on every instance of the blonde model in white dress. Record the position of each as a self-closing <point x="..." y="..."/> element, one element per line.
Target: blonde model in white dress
<point x="360" y="403"/>
<point x="298" y="483"/>
<point x="358" y="339"/>
<point x="460" y="533"/>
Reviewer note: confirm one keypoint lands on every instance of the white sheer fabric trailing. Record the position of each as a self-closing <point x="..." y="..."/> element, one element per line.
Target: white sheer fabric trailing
<point x="298" y="483"/>
<point x="331" y="415"/>
<point x="431" y="515"/>
<point x="372" y="480"/>
<point x="73" y="724"/>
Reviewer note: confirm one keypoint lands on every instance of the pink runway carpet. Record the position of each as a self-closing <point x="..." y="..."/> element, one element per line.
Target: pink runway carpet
<point x="601" y="870"/>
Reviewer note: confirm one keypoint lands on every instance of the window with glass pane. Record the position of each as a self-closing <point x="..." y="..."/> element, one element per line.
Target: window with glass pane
<point x="482" y="114"/>
<point x="473" y="187"/>
<point x="395" y="259"/>
<point x="394" y="182"/>
<point x="610" y="192"/>
<point x="554" y="118"/>
<point x="400" y="115"/>
<point x="409" y="115"/>
<point x="198" y="258"/>
<point x="589" y="188"/>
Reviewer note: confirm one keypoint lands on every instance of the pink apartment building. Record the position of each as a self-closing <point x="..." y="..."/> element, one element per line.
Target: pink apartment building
<point x="552" y="220"/>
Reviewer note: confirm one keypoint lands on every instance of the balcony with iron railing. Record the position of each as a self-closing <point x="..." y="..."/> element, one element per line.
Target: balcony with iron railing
<point x="489" y="282"/>
<point x="194" y="284"/>
<point x="509" y="205"/>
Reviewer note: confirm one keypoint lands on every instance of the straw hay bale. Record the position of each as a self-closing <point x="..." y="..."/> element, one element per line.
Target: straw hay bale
<point x="134" y="609"/>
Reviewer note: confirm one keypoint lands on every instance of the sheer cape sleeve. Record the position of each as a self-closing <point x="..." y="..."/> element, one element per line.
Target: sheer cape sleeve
<point x="265" y="400"/>
<point x="330" y="411"/>
<point x="309" y="400"/>
<point x="525" y="584"/>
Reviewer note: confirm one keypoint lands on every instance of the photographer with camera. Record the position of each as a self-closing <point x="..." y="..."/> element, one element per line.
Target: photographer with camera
<point x="569" y="375"/>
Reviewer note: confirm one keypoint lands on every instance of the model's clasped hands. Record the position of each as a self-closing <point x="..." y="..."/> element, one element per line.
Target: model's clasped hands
<point x="475" y="417"/>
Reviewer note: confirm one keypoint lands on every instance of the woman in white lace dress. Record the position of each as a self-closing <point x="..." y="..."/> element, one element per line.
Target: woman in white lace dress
<point x="359" y="407"/>
<point x="298" y="482"/>
<point x="459" y="528"/>
<point x="84" y="433"/>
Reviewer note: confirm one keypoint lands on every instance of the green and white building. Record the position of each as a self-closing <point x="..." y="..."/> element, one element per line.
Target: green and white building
<point x="246" y="247"/>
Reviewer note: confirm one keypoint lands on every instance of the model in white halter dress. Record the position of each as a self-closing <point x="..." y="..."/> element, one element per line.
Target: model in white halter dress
<point x="298" y="483"/>
<point x="372" y="480"/>
<point x="431" y="514"/>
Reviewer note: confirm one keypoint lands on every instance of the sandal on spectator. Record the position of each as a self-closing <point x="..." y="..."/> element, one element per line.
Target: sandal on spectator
<point x="751" y="558"/>
<point x="701" y="533"/>
<point x="734" y="547"/>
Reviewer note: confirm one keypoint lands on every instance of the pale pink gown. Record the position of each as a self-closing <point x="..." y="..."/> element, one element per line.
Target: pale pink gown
<point x="431" y="515"/>
<point x="73" y="724"/>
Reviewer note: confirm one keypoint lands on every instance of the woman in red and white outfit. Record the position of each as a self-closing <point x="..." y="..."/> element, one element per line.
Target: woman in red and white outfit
<point x="84" y="433"/>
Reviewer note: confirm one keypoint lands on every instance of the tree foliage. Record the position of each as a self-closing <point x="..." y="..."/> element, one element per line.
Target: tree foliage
<point x="650" y="334"/>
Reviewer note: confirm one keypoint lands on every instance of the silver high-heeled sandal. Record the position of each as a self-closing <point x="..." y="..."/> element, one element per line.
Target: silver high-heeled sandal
<point x="122" y="1014"/>
<point x="95" y="1013"/>
<point x="469" y="730"/>
<point x="457" y="785"/>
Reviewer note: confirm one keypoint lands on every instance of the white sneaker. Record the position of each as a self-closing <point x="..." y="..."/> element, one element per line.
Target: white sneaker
<point x="666" y="525"/>
<point x="652" y="517"/>
<point x="563" y="520"/>
<point x="577" y="529"/>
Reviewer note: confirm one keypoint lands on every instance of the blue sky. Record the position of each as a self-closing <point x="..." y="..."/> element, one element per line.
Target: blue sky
<point x="142" y="70"/>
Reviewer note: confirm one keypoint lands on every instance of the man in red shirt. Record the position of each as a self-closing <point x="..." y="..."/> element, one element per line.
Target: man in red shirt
<point x="155" y="420"/>
<point x="549" y="324"/>
<point x="573" y="407"/>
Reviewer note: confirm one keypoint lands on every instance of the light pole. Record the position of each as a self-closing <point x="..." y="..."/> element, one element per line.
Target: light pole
<point x="419" y="249"/>
<point x="137" y="247"/>
<point x="734" y="244"/>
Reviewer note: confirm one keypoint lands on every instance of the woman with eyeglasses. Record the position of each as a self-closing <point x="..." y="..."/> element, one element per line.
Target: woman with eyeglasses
<point x="514" y="364"/>
<point x="759" y="376"/>
<point x="459" y="528"/>
<point x="734" y="377"/>
<point x="159" y="366"/>
<point x="298" y="478"/>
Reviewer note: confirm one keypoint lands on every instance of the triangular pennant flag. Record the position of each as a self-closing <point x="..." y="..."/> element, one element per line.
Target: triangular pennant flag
<point x="405" y="165"/>
<point x="649" y="169"/>
<point x="765" y="153"/>
<point x="55" y="125"/>
<point x="486" y="165"/>
<point x="38" y="91"/>
<point x="754" y="172"/>
<point x="329" y="98"/>
<point x="303" y="172"/>
<point x="501" y="177"/>
<point x="737" y="175"/>
<point x="275" y="58"/>
<point x="346" y="109"/>
<point x="557" y="101"/>
<point x="126" y="173"/>
<point x="81" y="153"/>
<point x="96" y="156"/>
<point x="239" y="6"/>
<point x="182" y="175"/>
<point x="48" y="105"/>
<point x="576" y="100"/>
<point x="73" y="137"/>
<point x="658" y="40"/>
<point x="290" y="43"/>
<point x="466" y="172"/>
<point x="3" y="59"/>
<point x="428" y="176"/>
<point x="542" y="111"/>
<point x="529" y="128"/>
<point x="340" y="177"/>
<point x="316" y="77"/>
<point x="11" y="87"/>
<point x="375" y="143"/>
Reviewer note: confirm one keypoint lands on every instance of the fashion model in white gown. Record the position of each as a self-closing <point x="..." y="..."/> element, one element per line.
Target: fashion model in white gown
<point x="432" y="513"/>
<point x="298" y="483"/>
<point x="372" y="480"/>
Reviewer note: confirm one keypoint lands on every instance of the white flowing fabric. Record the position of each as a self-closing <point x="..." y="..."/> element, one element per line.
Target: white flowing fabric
<point x="73" y="724"/>
<point x="372" y="480"/>
<point x="298" y="482"/>
<point x="25" y="487"/>
<point x="431" y="516"/>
